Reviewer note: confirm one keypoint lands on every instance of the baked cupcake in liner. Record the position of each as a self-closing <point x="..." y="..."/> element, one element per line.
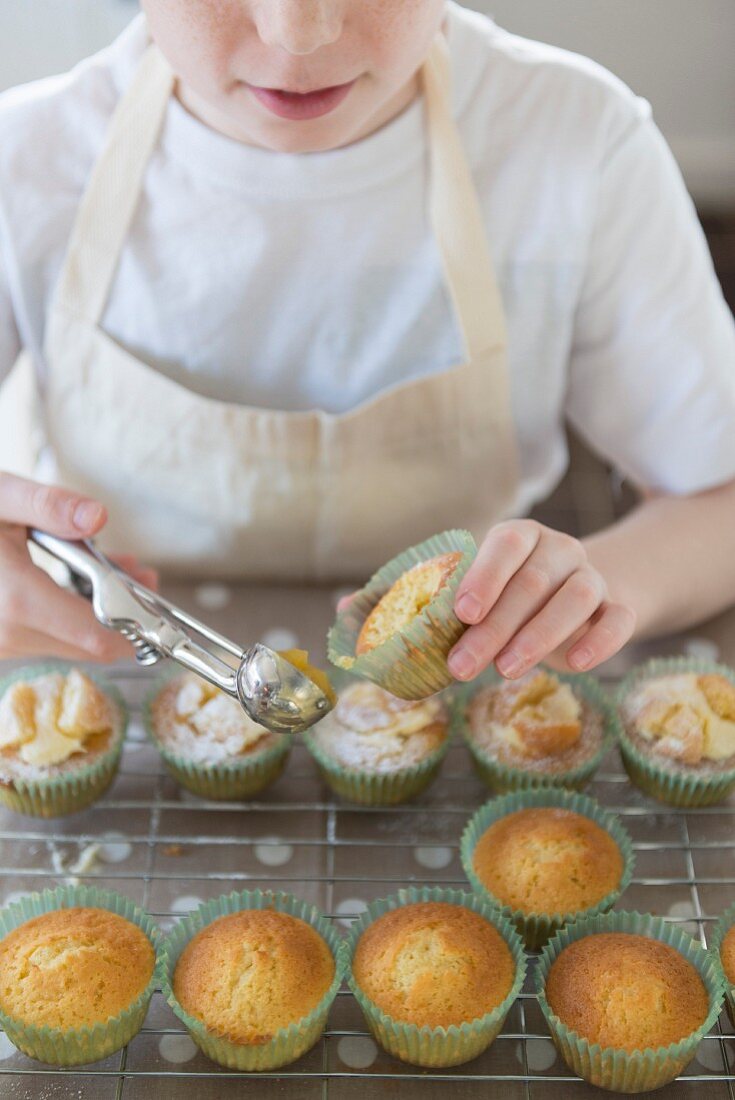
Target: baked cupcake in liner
<point x="720" y="930"/>
<point x="288" y="1043"/>
<point x="411" y="664"/>
<point x="65" y="791"/>
<point x="374" y="788"/>
<point x="501" y="777"/>
<point x="678" y="786"/>
<point x="228" y="780"/>
<point x="621" y="1070"/>
<point x="536" y="928"/>
<point x="77" y="1046"/>
<point x="435" y="1047"/>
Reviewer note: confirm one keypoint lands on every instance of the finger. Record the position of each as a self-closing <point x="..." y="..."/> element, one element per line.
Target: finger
<point x="573" y="605"/>
<point x="20" y="641"/>
<point x="37" y="603"/>
<point x="553" y="561"/>
<point x="501" y="554"/>
<point x="52" y="509"/>
<point x="611" y="628"/>
<point x="344" y="601"/>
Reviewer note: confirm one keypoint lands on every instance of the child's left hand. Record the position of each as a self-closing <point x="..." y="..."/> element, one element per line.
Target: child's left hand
<point x="532" y="595"/>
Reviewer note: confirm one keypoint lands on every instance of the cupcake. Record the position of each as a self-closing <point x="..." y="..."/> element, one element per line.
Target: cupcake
<point x="78" y="970"/>
<point x="544" y="730"/>
<point x="627" y="999"/>
<point x="546" y="857"/>
<point x="399" y="629"/>
<point x="61" y="735"/>
<point x="252" y="975"/>
<point x="722" y="949"/>
<point x="678" y="731"/>
<point x="435" y="973"/>
<point x="209" y="743"/>
<point x="376" y="749"/>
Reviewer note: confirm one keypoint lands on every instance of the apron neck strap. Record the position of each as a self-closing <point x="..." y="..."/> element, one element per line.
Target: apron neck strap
<point x="456" y="216"/>
<point x="112" y="194"/>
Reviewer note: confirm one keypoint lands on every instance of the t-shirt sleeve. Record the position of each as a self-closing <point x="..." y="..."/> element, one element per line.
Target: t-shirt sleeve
<point x="9" y="338"/>
<point x="652" y="371"/>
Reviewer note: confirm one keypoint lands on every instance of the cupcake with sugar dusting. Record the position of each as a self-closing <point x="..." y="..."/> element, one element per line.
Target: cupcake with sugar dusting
<point x="61" y="734"/>
<point x="209" y="743"/>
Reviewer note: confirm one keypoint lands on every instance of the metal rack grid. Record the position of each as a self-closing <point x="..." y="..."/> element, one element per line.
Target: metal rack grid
<point x="299" y="839"/>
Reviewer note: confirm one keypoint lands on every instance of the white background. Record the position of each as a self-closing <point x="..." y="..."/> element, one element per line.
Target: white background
<point x="680" y="54"/>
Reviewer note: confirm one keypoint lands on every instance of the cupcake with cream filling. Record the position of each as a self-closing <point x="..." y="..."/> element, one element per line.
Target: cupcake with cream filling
<point x="61" y="734"/>
<point x="542" y="730"/>
<point x="209" y="743"/>
<point x="678" y="731"/>
<point x="376" y="749"/>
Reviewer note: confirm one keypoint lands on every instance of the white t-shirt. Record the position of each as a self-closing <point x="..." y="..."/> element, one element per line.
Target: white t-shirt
<point x="313" y="281"/>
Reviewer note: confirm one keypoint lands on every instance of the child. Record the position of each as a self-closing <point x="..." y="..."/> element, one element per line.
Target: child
<point x="287" y="285"/>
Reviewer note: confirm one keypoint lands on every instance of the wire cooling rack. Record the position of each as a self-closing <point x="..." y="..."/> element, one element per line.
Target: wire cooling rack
<point x="166" y="849"/>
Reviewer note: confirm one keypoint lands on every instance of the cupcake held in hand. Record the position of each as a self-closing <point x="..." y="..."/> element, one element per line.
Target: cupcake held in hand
<point x="209" y="743"/>
<point x="400" y="628"/>
<point x="678" y="731"/>
<point x="376" y="749"/>
<point x="545" y="729"/>
<point x="61" y="735"/>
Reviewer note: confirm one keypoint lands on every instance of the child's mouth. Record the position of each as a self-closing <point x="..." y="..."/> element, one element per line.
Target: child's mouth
<point x="301" y="106"/>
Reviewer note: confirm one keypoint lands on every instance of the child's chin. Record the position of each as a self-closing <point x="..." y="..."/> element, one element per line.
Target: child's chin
<point x="316" y="136"/>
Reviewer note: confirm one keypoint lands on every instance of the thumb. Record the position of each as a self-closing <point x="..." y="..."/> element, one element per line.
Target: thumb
<point x="49" y="507"/>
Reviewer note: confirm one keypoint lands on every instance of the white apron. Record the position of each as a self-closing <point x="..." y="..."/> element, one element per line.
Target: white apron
<point x="212" y="488"/>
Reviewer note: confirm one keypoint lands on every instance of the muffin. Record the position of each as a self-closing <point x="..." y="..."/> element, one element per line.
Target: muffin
<point x="61" y="735"/>
<point x="678" y="731"/>
<point x="627" y="998"/>
<point x="545" y="857"/>
<point x="435" y="973"/>
<point x="376" y="749"/>
<point x="399" y="629"/>
<point x="77" y="978"/>
<point x="209" y="743"/>
<point x="722" y="950"/>
<point x="543" y="730"/>
<point x="252" y="976"/>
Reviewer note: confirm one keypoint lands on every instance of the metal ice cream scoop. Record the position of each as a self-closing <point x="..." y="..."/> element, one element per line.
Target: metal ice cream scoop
<point x="270" y="689"/>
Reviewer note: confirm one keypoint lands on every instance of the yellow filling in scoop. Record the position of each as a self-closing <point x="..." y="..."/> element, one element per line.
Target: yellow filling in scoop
<point x="299" y="658"/>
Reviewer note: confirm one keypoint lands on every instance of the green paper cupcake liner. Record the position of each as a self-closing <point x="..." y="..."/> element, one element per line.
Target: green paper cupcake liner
<point x="435" y="1047"/>
<point x="78" y="1046"/>
<point x="413" y="663"/>
<point x="374" y="788"/>
<point x="620" y="1070"/>
<point x="503" y="778"/>
<point x="226" y="781"/>
<point x="288" y="1043"/>
<point x="67" y="792"/>
<point x="677" y="787"/>
<point x="536" y="928"/>
<point x="720" y="930"/>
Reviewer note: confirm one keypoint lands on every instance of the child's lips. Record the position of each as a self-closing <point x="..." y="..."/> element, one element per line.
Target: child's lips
<point x="301" y="106"/>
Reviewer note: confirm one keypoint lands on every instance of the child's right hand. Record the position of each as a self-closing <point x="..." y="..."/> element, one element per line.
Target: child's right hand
<point x="37" y="618"/>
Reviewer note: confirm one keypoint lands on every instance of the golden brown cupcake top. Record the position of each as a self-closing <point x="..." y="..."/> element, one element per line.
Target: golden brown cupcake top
<point x="204" y="724"/>
<point x="249" y="974"/>
<point x="686" y="717"/>
<point x="73" y="967"/>
<point x="46" y="720"/>
<point x="433" y="964"/>
<point x="372" y="730"/>
<point x="405" y="599"/>
<point x="536" y="716"/>
<point x="547" y="860"/>
<point x="626" y="991"/>
<point x="727" y="955"/>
